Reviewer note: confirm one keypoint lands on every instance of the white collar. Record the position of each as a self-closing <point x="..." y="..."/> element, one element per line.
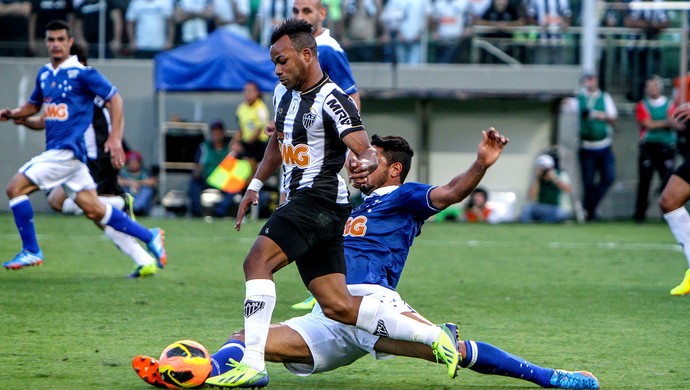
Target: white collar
<point x="71" y="62"/>
<point x="381" y="191"/>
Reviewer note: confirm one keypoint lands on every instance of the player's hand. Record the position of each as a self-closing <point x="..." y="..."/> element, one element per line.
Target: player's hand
<point x="359" y="167"/>
<point x="5" y="114"/>
<point x="682" y="113"/>
<point x="491" y="146"/>
<point x="250" y="198"/>
<point x="117" y="153"/>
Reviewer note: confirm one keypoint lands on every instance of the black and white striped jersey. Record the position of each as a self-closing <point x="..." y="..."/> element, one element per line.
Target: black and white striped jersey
<point x="310" y="126"/>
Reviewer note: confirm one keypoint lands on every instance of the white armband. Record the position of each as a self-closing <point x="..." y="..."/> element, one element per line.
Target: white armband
<point x="255" y="185"/>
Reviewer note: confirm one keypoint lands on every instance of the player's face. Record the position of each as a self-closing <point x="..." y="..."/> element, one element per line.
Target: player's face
<point x="310" y="11"/>
<point x="59" y="44"/>
<point x="290" y="68"/>
<point x="653" y="89"/>
<point x="379" y="177"/>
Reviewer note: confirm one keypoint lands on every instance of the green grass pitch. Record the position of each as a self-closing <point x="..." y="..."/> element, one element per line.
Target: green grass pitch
<point x="580" y="297"/>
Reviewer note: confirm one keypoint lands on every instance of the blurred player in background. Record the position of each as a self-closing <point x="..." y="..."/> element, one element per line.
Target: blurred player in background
<point x="67" y="90"/>
<point x="105" y="176"/>
<point x="378" y="237"/>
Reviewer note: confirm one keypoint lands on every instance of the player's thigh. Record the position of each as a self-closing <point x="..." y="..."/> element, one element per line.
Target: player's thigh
<point x="285" y="345"/>
<point x="331" y="344"/>
<point x="88" y="201"/>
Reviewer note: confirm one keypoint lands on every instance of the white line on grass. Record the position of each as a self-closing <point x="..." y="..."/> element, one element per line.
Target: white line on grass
<point x="558" y="245"/>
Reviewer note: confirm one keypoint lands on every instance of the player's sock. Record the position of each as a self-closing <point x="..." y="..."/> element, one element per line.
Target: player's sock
<point x="233" y="349"/>
<point x="121" y="222"/>
<point x="69" y="206"/>
<point x="376" y="319"/>
<point x="679" y="222"/>
<point x="129" y="246"/>
<point x="487" y="359"/>
<point x="24" y="219"/>
<point x="116" y="201"/>
<point x="258" y="308"/>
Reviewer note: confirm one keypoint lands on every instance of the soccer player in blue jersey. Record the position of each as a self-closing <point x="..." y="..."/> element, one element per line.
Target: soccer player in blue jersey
<point x="105" y="176"/>
<point x="66" y="90"/>
<point x="377" y="238"/>
<point x="332" y="57"/>
<point x="316" y="123"/>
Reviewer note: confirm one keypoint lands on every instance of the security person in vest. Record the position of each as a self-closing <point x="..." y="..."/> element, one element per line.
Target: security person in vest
<point x="598" y="114"/>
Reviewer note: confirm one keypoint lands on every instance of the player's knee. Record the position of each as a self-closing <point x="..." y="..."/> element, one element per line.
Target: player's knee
<point x="55" y="204"/>
<point x="668" y="204"/>
<point x="339" y="311"/>
<point x="94" y="212"/>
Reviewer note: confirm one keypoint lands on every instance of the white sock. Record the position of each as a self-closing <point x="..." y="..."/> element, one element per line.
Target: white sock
<point x="376" y="319"/>
<point x="129" y="246"/>
<point x="70" y="207"/>
<point x="258" y="308"/>
<point x="115" y="201"/>
<point x="679" y="222"/>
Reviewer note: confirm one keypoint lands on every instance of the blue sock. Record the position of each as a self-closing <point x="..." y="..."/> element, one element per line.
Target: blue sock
<point x="24" y="219"/>
<point x="494" y="361"/>
<point x="233" y="349"/>
<point x="118" y="220"/>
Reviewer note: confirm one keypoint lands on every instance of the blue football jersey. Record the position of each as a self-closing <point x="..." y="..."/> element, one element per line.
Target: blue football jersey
<point x="67" y="95"/>
<point x="379" y="233"/>
<point x="334" y="62"/>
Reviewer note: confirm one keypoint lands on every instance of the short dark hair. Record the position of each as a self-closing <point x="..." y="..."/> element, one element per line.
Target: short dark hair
<point x="395" y="149"/>
<point x="81" y="52"/>
<point x="59" y="25"/>
<point x="299" y="32"/>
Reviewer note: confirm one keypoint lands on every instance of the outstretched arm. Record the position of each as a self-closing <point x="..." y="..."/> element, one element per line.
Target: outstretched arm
<point x="490" y="148"/>
<point x="27" y="109"/>
<point x="365" y="159"/>
<point x="32" y="122"/>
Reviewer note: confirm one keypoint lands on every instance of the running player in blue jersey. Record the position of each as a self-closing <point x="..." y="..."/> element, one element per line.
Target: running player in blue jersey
<point x="66" y="90"/>
<point x="316" y="123"/>
<point x="105" y="176"/>
<point x="378" y="237"/>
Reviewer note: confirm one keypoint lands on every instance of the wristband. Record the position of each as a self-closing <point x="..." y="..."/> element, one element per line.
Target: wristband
<point x="255" y="185"/>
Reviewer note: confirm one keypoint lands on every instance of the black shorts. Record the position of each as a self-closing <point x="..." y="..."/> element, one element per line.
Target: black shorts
<point x="105" y="176"/>
<point x="683" y="171"/>
<point x="309" y="230"/>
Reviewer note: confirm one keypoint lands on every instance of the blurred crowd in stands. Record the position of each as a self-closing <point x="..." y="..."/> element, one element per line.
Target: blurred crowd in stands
<point x="402" y="31"/>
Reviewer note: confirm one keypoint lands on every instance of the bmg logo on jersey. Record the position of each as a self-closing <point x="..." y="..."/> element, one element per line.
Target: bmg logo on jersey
<point x="295" y="155"/>
<point x="356" y="227"/>
<point x="56" y="112"/>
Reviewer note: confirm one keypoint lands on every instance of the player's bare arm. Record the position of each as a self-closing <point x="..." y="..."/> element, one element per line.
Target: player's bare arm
<point x="36" y="122"/>
<point x="113" y="144"/>
<point x="27" y="109"/>
<point x="365" y="159"/>
<point x="270" y="163"/>
<point x="489" y="150"/>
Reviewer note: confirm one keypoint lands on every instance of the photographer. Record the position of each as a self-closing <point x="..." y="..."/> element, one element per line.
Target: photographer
<point x="545" y="193"/>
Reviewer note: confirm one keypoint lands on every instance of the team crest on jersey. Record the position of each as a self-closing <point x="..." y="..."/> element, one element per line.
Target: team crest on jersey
<point x="72" y="73"/>
<point x="44" y="76"/>
<point x="308" y="119"/>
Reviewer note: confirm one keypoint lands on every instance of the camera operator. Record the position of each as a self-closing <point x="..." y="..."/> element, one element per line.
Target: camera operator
<point x="545" y="193"/>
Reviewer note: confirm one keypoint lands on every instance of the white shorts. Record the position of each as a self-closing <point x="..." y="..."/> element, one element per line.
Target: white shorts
<point x="333" y="344"/>
<point x="58" y="167"/>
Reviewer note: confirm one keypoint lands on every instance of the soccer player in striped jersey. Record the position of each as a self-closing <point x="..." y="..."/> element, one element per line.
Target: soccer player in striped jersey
<point x="66" y="90"/>
<point x="377" y="238"/>
<point x="316" y="123"/>
<point x="673" y="198"/>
